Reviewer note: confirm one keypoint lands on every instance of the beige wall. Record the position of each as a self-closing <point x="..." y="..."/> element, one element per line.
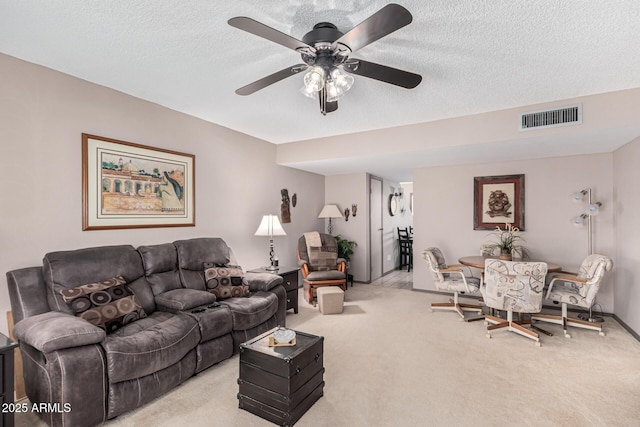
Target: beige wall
<point x="626" y="196"/>
<point x="42" y="115"/>
<point x="444" y="205"/>
<point x="344" y="191"/>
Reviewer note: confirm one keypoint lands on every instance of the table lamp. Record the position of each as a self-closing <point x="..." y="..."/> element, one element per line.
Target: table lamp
<point x="330" y="211"/>
<point x="270" y="226"/>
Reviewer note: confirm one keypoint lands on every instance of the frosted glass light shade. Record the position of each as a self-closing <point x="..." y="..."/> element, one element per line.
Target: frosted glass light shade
<point x="314" y="79"/>
<point x="270" y="226"/>
<point x="308" y="92"/>
<point x="594" y="208"/>
<point x="577" y="197"/>
<point x="579" y="220"/>
<point x="338" y="84"/>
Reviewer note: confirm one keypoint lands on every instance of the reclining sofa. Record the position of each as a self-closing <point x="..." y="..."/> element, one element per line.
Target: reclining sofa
<point x="174" y="323"/>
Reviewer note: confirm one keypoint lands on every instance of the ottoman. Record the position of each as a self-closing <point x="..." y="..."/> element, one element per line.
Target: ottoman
<point x="330" y="299"/>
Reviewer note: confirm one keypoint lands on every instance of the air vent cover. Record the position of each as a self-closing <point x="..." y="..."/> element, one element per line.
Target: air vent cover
<point x="571" y="115"/>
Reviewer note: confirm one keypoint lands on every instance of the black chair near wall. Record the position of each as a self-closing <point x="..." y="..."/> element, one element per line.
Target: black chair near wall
<point x="405" y="243"/>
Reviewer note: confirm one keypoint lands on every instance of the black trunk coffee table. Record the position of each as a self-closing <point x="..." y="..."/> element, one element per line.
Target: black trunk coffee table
<point x="280" y="384"/>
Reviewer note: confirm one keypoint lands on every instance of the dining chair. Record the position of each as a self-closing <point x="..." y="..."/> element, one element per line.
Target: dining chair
<point x="513" y="286"/>
<point x="488" y="250"/>
<point x="405" y="243"/>
<point x="578" y="289"/>
<point x="451" y="278"/>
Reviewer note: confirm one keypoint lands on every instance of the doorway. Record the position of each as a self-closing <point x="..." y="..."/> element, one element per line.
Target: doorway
<point x="375" y="227"/>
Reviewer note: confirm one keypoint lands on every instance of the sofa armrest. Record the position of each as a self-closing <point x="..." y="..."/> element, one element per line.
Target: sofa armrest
<point x="55" y="330"/>
<point x="183" y="299"/>
<point x="262" y="281"/>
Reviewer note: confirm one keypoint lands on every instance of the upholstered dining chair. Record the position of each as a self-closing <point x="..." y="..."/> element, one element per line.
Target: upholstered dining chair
<point x="513" y="286"/>
<point x="318" y="260"/>
<point x="451" y="278"/>
<point x="579" y="289"/>
<point x="488" y="250"/>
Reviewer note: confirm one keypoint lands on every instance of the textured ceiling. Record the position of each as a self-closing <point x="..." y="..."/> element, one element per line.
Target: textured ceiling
<point x="474" y="56"/>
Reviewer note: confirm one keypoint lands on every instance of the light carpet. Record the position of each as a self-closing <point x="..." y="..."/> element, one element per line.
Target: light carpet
<point x="390" y="362"/>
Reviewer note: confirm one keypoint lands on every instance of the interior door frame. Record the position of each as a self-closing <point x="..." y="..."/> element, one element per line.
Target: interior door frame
<point x="373" y="228"/>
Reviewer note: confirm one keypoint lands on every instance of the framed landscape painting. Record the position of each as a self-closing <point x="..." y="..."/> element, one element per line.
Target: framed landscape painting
<point x="498" y="200"/>
<point x="127" y="185"/>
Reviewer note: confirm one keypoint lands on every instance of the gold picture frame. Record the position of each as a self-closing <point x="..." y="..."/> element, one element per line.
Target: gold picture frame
<point x="128" y="185"/>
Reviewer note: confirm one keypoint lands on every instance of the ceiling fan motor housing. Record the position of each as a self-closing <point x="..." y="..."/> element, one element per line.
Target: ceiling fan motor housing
<point x="321" y="38"/>
<point x="322" y="32"/>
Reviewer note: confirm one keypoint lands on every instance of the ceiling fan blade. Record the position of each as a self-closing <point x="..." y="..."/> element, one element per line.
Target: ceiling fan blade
<point x="390" y="18"/>
<point x="261" y="30"/>
<point x="383" y="73"/>
<point x="271" y="79"/>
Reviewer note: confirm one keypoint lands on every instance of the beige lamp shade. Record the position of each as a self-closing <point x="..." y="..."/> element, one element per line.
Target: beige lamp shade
<point x="330" y="211"/>
<point x="270" y="226"/>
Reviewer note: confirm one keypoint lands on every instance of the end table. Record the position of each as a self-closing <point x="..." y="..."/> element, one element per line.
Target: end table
<point x="6" y="380"/>
<point x="289" y="281"/>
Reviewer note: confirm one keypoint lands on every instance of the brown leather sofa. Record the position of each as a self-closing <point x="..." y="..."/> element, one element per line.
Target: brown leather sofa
<point x="94" y="375"/>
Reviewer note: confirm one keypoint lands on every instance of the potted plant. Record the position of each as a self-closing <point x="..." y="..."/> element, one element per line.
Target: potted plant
<point x="507" y="239"/>
<point x="345" y="248"/>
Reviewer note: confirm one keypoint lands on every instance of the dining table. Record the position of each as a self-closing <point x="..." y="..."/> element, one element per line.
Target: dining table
<point x="477" y="261"/>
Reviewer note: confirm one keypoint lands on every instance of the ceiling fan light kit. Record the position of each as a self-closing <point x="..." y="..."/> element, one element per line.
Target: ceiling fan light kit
<point x="325" y="52"/>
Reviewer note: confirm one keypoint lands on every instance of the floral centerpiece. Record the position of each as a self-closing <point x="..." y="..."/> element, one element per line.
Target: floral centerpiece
<point x="507" y="239"/>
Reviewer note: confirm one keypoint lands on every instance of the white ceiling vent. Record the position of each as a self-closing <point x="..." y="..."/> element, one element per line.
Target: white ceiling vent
<point x="571" y="115"/>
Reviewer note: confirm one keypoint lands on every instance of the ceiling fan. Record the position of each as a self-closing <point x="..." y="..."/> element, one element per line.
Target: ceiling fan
<point x="325" y="52"/>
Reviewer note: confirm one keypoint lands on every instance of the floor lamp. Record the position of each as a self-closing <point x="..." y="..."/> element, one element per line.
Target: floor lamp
<point x="330" y="211"/>
<point x="592" y="209"/>
<point x="270" y="226"/>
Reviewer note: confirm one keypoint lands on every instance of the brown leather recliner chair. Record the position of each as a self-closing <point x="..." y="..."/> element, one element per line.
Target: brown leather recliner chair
<point x="320" y="265"/>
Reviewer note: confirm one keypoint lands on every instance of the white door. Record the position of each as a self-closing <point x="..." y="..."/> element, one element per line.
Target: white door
<point x="375" y="228"/>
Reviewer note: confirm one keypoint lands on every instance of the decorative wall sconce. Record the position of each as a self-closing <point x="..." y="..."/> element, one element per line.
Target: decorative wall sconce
<point x="593" y="208"/>
<point x="354" y="208"/>
<point x="346" y="214"/>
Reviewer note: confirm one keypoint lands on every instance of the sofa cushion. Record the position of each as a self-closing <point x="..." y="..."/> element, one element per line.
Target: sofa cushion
<point x="108" y="305"/>
<point x="149" y="345"/>
<point x="214" y="321"/>
<point x="249" y="312"/>
<point x="226" y="281"/>
<point x="183" y="299"/>
<point x="70" y="269"/>
<point x="161" y="267"/>
<point x="193" y="253"/>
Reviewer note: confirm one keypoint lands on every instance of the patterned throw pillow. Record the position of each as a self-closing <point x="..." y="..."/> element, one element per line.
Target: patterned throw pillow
<point x="108" y="304"/>
<point x="322" y="258"/>
<point x="225" y="281"/>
